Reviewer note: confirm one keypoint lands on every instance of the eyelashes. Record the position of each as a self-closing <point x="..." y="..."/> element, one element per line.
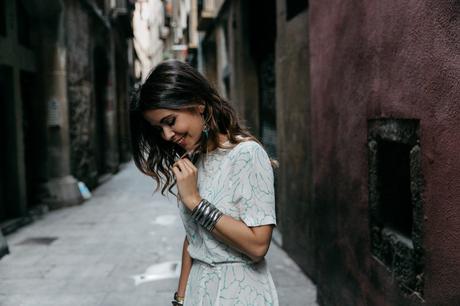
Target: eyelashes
<point x="169" y="122"/>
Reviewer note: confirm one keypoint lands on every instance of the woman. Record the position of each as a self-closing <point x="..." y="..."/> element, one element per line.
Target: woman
<point x="183" y="133"/>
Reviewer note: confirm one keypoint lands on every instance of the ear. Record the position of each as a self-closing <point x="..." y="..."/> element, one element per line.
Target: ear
<point x="200" y="109"/>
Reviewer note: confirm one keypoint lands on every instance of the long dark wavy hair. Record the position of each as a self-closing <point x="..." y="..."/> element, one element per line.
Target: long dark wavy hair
<point x="176" y="85"/>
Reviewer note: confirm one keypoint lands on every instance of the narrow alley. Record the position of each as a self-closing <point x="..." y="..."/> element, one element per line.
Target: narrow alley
<point x="355" y="102"/>
<point x="121" y="247"/>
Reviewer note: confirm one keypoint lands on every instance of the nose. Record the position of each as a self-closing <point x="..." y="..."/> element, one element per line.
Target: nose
<point x="168" y="133"/>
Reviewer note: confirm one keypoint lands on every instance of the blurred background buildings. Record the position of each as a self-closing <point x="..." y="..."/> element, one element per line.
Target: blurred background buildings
<point x="66" y="68"/>
<point x="358" y="102"/>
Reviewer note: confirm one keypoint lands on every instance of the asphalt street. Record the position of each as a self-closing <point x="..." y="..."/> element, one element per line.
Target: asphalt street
<point x="120" y="248"/>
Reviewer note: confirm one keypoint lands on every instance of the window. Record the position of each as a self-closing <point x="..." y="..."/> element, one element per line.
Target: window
<point x="294" y="7"/>
<point x="395" y="205"/>
<point x="395" y="201"/>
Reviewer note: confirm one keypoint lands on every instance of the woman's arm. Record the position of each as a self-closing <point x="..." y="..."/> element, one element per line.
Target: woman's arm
<point x="185" y="269"/>
<point x="252" y="241"/>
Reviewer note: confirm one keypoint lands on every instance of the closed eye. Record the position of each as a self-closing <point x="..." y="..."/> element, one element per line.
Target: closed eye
<point x="171" y="121"/>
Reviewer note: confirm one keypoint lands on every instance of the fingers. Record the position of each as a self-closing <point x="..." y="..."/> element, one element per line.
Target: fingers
<point x="184" y="168"/>
<point x="176" y="171"/>
<point x="185" y="164"/>
<point x="186" y="178"/>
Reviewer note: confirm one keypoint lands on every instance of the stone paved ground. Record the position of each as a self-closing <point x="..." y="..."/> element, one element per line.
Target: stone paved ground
<point x="103" y="253"/>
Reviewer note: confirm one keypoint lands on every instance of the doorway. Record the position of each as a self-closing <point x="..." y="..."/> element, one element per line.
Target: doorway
<point x="6" y="101"/>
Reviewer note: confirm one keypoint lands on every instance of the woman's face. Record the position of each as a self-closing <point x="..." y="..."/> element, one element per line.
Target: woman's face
<point x="183" y="127"/>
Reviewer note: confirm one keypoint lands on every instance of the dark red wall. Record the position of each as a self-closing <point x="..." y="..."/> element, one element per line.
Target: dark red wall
<point x="382" y="59"/>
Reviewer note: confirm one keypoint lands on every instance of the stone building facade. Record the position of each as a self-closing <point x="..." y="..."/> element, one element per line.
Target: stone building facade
<point x="65" y="73"/>
<point x="184" y="36"/>
<point x="358" y="102"/>
<point x="151" y="27"/>
<point x="164" y="29"/>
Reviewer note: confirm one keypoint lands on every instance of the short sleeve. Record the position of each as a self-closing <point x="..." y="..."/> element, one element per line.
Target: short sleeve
<point x="252" y="184"/>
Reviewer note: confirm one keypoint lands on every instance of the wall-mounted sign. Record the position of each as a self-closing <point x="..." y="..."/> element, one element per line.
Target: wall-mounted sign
<point x="54" y="113"/>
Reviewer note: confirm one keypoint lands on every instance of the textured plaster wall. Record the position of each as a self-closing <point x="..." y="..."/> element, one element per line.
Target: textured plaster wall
<point x="373" y="59"/>
<point x="294" y="185"/>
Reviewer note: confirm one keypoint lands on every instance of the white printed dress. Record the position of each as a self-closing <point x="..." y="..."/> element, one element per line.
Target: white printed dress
<point x="239" y="182"/>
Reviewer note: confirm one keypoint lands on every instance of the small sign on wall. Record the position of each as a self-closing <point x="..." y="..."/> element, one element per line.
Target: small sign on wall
<point x="54" y="113"/>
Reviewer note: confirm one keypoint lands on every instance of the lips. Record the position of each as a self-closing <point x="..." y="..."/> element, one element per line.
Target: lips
<point x="180" y="141"/>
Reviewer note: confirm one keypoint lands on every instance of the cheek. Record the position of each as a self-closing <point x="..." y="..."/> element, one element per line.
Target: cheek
<point x="193" y="126"/>
<point x="198" y="126"/>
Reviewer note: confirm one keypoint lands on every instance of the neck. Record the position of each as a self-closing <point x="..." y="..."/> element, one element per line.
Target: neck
<point x="222" y="139"/>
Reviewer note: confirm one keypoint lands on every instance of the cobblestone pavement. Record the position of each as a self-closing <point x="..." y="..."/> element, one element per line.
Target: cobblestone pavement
<point x="120" y="248"/>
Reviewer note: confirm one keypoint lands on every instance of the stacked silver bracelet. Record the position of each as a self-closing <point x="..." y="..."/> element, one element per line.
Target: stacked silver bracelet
<point x="206" y="215"/>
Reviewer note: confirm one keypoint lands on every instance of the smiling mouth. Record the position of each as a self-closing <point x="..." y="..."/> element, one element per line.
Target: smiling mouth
<point x="180" y="141"/>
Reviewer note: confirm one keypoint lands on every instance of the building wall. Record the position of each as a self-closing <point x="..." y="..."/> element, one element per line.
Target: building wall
<point x="124" y="80"/>
<point x="96" y="46"/>
<point x="80" y="86"/>
<point x="372" y="60"/>
<point x="48" y="101"/>
<point x="232" y="55"/>
<point x="244" y="93"/>
<point x="148" y="24"/>
<point x="17" y="63"/>
<point x="294" y="196"/>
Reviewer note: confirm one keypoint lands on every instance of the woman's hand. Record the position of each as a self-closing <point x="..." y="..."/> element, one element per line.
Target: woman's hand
<point x="186" y="176"/>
